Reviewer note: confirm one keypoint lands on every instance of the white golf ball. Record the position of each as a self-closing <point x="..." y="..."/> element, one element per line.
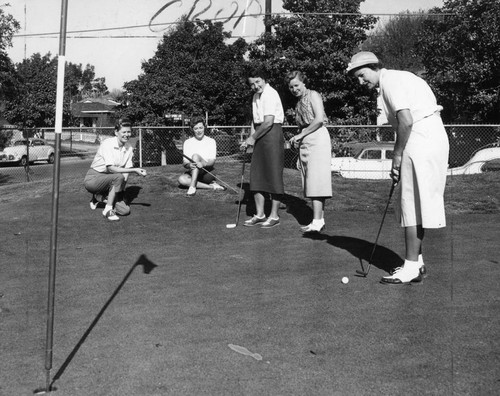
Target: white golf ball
<point x="345" y="280"/>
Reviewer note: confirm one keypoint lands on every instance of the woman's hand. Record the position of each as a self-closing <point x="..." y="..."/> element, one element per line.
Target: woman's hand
<point x="295" y="140"/>
<point x="141" y="172"/>
<point x="395" y="169"/>
<point x="250" y="141"/>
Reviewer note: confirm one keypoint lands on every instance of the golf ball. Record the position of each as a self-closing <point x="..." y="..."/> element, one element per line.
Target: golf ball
<point x="345" y="280"/>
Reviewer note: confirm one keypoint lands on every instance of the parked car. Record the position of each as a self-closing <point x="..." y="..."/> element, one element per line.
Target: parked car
<point x="482" y="160"/>
<point x="365" y="161"/>
<point x="38" y="149"/>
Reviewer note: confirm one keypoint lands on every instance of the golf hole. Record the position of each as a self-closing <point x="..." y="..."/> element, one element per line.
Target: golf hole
<point x="230" y="225"/>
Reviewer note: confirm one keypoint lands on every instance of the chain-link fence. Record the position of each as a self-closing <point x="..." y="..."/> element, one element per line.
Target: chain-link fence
<point x="23" y="152"/>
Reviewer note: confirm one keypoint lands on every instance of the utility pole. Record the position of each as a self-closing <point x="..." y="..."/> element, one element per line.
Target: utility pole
<point x="267" y="19"/>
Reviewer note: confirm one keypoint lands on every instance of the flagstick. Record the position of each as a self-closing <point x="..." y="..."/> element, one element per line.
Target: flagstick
<point x="55" y="194"/>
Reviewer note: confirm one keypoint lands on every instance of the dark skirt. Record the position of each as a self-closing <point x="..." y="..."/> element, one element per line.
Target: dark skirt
<point x="268" y="159"/>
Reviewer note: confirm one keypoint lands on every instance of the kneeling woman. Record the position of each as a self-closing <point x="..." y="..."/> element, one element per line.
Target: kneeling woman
<point x="201" y="151"/>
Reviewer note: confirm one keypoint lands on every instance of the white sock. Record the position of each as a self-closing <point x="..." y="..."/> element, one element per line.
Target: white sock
<point x="318" y="222"/>
<point x="420" y="260"/>
<point x="107" y="208"/>
<point x="411" y="265"/>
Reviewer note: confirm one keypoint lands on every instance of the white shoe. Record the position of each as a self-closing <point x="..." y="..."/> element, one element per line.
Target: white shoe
<point x="191" y="191"/>
<point x="93" y="203"/>
<point x="315" y="226"/>
<point x="111" y="215"/>
<point x="403" y="275"/>
<point x="217" y="187"/>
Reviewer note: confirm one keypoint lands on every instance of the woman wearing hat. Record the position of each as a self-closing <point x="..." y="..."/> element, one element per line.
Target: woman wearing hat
<point x="420" y="155"/>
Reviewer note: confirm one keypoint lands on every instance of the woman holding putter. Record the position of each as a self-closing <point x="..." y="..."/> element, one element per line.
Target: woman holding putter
<point x="420" y="155"/>
<point x="315" y="149"/>
<point x="268" y="158"/>
<point x="199" y="159"/>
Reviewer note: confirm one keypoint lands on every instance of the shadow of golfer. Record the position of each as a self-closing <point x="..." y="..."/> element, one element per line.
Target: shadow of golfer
<point x="147" y="267"/>
<point x="383" y="258"/>
<point x="297" y="207"/>
<point x="131" y="193"/>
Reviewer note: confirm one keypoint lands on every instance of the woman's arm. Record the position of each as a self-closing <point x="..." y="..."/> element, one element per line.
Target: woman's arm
<point x="403" y="130"/>
<point x="119" y="169"/>
<point x="264" y="128"/>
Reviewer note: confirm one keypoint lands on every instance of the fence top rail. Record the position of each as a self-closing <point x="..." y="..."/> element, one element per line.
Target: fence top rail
<point x="248" y="126"/>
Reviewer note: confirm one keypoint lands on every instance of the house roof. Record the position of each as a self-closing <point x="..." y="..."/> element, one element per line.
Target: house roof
<point x="93" y="105"/>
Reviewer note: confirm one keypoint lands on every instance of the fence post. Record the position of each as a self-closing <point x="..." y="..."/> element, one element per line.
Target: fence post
<point x="140" y="147"/>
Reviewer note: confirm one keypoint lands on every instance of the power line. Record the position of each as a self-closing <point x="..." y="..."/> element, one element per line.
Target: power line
<point x="226" y="19"/>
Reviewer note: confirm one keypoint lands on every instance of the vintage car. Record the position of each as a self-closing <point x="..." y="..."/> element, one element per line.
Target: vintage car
<point x="482" y="160"/>
<point x="38" y="150"/>
<point x="365" y="161"/>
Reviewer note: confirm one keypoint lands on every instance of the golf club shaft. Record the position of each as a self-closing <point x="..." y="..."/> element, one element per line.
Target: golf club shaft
<point x="210" y="173"/>
<point x="241" y="187"/>
<point x="378" y="234"/>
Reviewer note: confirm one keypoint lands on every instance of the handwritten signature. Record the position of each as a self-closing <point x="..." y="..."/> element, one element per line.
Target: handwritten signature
<point x="195" y="12"/>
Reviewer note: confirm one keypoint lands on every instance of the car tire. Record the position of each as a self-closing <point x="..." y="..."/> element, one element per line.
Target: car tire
<point x="51" y="159"/>
<point x="24" y="161"/>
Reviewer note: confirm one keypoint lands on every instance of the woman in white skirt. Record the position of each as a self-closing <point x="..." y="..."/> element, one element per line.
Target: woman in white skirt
<point x="315" y="149"/>
<point x="420" y="155"/>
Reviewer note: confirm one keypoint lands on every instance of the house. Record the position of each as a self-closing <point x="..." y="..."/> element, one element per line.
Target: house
<point x="95" y="112"/>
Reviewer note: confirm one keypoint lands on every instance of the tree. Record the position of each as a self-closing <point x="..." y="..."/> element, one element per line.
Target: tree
<point x="461" y="55"/>
<point x="395" y="42"/>
<point x="8" y="27"/>
<point x="318" y="38"/>
<point x="193" y="71"/>
<point x="35" y="85"/>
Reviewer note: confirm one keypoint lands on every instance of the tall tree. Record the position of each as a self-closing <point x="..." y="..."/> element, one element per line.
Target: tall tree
<point x="193" y="71"/>
<point x="461" y="55"/>
<point x="8" y="27"/>
<point x="395" y="41"/>
<point x="318" y="38"/>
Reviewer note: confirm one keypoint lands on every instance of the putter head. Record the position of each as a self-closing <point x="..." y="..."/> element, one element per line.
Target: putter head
<point x="362" y="273"/>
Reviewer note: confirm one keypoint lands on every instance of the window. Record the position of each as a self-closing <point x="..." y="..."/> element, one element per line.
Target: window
<point x="371" y="154"/>
<point x="389" y="154"/>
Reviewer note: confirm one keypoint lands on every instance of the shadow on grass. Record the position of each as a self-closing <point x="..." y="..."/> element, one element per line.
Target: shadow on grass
<point x="383" y="258"/>
<point x="131" y="193"/>
<point x="147" y="267"/>
<point x="297" y="207"/>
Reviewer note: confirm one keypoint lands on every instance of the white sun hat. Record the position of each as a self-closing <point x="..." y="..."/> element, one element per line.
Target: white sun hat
<point x="361" y="59"/>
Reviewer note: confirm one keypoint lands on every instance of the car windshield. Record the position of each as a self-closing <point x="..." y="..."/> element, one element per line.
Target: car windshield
<point x="20" y="143"/>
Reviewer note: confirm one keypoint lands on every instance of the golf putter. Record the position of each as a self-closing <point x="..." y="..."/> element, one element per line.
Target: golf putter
<point x="239" y="194"/>
<point x="210" y="173"/>
<point x="362" y="271"/>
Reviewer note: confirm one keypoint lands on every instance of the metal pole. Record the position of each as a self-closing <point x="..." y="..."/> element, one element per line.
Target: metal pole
<point x="267" y="19"/>
<point x="55" y="193"/>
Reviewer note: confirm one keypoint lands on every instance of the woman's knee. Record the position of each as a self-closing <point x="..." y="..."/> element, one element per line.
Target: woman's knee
<point x="184" y="180"/>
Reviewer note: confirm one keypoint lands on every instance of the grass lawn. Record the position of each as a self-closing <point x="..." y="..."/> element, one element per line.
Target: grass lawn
<point x="168" y="300"/>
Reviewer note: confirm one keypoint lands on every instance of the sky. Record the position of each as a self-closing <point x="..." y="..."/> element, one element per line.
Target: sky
<point x="116" y="36"/>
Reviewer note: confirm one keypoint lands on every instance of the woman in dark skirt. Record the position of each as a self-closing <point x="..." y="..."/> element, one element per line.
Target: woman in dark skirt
<point x="266" y="137"/>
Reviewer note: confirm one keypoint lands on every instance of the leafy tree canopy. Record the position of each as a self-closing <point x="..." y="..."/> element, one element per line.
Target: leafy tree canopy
<point x="461" y="55"/>
<point x="395" y="41"/>
<point x="35" y="85"/>
<point x="318" y="38"/>
<point x="193" y="71"/>
<point x="8" y="27"/>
